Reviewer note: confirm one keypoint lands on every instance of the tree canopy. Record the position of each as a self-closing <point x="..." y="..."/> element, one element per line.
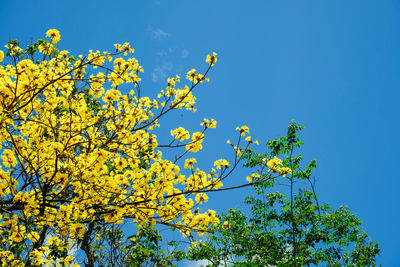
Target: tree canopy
<point x="79" y="154"/>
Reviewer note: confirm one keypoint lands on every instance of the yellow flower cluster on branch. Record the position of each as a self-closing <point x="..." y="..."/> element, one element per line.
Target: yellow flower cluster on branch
<point x="221" y="163"/>
<point x="253" y="177"/>
<point x="180" y="133"/>
<point x="196" y="77"/>
<point x="212" y="59"/>
<point x="243" y="130"/>
<point x="54" y="34"/>
<point x="209" y="124"/>
<point x="275" y="165"/>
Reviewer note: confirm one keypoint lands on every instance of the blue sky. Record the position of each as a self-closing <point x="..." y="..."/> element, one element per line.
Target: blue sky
<point x="331" y="65"/>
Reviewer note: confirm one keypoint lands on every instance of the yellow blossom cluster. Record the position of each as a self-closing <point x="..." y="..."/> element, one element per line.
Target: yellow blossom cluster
<point x="209" y="123"/>
<point x="212" y="59"/>
<point x="180" y="133"/>
<point x="201" y="197"/>
<point x="196" y="144"/>
<point x="248" y="139"/>
<point x="13" y="49"/>
<point x="226" y="225"/>
<point x="275" y="165"/>
<point x="243" y="130"/>
<point x="189" y="163"/>
<point x="196" y="77"/>
<point x="253" y="177"/>
<point x="76" y="151"/>
<point x="54" y="34"/>
<point x="126" y="48"/>
<point x="221" y="163"/>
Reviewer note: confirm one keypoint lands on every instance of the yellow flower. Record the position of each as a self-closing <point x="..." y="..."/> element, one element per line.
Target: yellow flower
<point x="249" y="179"/>
<point x="46" y="49"/>
<point x="273" y="162"/>
<point x="180" y="133"/>
<point x="172" y="81"/>
<point x="67" y="260"/>
<point x="238" y="152"/>
<point x="10" y="256"/>
<point x="248" y="139"/>
<point x="191" y="74"/>
<point x="1" y="56"/>
<point x="201" y="197"/>
<point x="195" y="77"/>
<point x="193" y="245"/>
<point x="54" y="240"/>
<point x="284" y="170"/>
<point x="212" y="59"/>
<point x="243" y="130"/>
<point x="196" y="144"/>
<point x="227" y="225"/>
<point x="126" y="47"/>
<point x="33" y="236"/>
<point x="221" y="163"/>
<point x="189" y="163"/>
<point x="111" y="96"/>
<point x="254" y="176"/>
<point x="209" y="124"/>
<point x="54" y="34"/>
<point x="13" y="49"/>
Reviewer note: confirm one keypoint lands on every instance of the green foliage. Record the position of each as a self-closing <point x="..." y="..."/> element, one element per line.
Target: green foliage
<point x="145" y="248"/>
<point x="287" y="228"/>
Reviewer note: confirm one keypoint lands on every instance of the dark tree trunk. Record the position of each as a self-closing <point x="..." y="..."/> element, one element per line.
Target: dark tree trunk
<point x="86" y="247"/>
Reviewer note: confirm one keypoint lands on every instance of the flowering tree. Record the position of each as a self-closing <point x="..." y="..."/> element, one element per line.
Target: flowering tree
<point x="78" y="154"/>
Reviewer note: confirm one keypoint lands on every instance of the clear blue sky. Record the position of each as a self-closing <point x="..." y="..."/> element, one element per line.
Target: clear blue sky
<point x="332" y="65"/>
